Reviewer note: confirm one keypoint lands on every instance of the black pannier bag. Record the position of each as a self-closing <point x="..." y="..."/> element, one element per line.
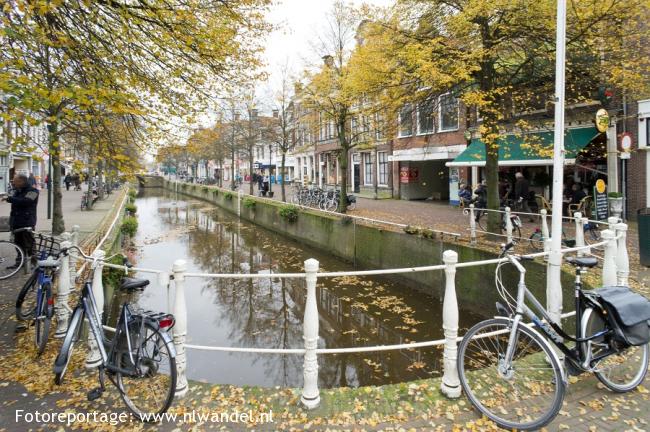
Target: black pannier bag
<point x="628" y="313"/>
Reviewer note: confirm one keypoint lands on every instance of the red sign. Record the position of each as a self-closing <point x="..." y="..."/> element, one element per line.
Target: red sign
<point x="408" y="175"/>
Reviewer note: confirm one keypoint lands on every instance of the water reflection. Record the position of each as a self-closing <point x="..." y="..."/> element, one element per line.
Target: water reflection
<point x="268" y="312"/>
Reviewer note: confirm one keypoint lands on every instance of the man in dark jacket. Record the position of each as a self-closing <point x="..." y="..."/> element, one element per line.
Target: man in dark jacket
<point x="522" y="194"/>
<point x="23" y="213"/>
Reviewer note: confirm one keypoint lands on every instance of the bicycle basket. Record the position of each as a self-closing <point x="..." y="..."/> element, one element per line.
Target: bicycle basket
<point x="628" y="314"/>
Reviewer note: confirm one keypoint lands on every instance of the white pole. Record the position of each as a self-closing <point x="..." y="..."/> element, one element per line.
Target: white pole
<point x="622" y="259"/>
<point x="472" y="224"/>
<point x="74" y="239"/>
<point x="180" y="328"/>
<point x="63" y="291"/>
<point x="554" y="289"/>
<point x="508" y="226"/>
<point x="545" y="233"/>
<point x="450" y="385"/>
<point x="580" y="232"/>
<point x="583" y="222"/>
<point x="609" y="263"/>
<point x="94" y="358"/>
<point x="310" y="394"/>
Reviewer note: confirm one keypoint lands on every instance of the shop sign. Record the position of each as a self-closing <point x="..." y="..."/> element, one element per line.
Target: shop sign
<point x="602" y="120"/>
<point x="408" y="174"/>
<point x="600" y="200"/>
<point x="626" y="145"/>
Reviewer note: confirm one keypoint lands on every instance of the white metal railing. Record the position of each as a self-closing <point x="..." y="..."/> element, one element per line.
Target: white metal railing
<point x="615" y="271"/>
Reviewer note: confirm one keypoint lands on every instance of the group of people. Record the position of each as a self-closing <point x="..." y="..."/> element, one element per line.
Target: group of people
<point x="263" y="183"/>
<point x="72" y="179"/>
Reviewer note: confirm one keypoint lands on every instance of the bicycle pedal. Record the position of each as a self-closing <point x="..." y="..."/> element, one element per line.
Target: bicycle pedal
<point x="94" y="394"/>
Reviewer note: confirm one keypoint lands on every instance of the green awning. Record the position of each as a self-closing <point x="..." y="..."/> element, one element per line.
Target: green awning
<point x="528" y="149"/>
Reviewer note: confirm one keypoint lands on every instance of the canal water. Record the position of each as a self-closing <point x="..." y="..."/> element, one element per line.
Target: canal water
<point x="268" y="312"/>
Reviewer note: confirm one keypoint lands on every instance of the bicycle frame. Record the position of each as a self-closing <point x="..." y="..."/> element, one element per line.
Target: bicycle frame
<point x="550" y="329"/>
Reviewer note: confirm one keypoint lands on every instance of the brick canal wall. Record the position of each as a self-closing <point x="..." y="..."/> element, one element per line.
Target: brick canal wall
<point x="372" y="247"/>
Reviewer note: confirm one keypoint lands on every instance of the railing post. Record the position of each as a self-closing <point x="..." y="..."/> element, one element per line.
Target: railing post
<point x="63" y="291"/>
<point x="163" y="281"/>
<point x="450" y="385"/>
<point x="580" y="232"/>
<point x="553" y="292"/>
<point x="583" y="222"/>
<point x="612" y="221"/>
<point x="545" y="232"/>
<point x="622" y="259"/>
<point x="508" y="226"/>
<point x="94" y="358"/>
<point x="180" y="328"/>
<point x="74" y="239"/>
<point x="609" y="264"/>
<point x="310" y="394"/>
<point x="472" y="224"/>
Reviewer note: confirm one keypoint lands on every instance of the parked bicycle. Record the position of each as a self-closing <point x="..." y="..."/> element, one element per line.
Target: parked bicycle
<point x="11" y="255"/>
<point x="512" y="374"/>
<point x="591" y="236"/>
<point x="515" y="220"/>
<point x="35" y="301"/>
<point x="140" y="359"/>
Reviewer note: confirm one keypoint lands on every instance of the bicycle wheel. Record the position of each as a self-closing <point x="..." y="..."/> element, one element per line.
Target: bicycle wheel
<point x="71" y="337"/>
<point x="43" y="318"/>
<point x="10" y="255"/>
<point x="620" y="372"/>
<point x="149" y="387"/>
<point x="525" y="396"/>
<point x="536" y="240"/>
<point x="26" y="300"/>
<point x="482" y="220"/>
<point x="592" y="235"/>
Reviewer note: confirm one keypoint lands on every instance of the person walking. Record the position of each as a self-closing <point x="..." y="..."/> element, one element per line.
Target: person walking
<point x="67" y="180"/>
<point x="24" y="202"/>
<point x="522" y="194"/>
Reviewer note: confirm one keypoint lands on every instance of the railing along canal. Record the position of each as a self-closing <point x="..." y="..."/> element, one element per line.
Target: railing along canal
<point x="615" y="271"/>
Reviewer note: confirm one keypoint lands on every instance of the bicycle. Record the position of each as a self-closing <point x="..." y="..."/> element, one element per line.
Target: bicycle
<point x="591" y="236"/>
<point x="515" y="220"/>
<point x="511" y="373"/>
<point x="39" y="288"/>
<point x="140" y="359"/>
<point x="12" y="257"/>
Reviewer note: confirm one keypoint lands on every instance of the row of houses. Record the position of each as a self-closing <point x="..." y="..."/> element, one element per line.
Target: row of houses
<point x="437" y="147"/>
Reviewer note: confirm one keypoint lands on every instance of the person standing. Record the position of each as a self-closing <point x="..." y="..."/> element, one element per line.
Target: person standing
<point x="32" y="180"/>
<point x="67" y="180"/>
<point x="522" y="194"/>
<point x="23" y="202"/>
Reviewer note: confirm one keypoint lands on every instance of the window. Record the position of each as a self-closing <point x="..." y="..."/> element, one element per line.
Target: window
<point x="425" y="118"/>
<point x="367" y="169"/>
<point x="406" y="121"/>
<point x="448" y="112"/>
<point x="382" y="165"/>
<point x="379" y="125"/>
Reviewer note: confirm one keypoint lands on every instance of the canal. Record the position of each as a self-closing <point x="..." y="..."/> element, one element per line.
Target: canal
<point x="268" y="312"/>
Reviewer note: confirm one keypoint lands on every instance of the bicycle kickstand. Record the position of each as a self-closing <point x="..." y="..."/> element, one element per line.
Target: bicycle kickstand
<point x="97" y="392"/>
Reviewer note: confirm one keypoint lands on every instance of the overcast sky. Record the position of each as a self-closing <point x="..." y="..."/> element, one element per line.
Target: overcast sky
<point x="299" y="22"/>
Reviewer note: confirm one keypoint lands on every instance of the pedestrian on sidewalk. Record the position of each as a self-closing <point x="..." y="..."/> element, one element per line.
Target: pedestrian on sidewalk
<point x="67" y="180"/>
<point x="522" y="194"/>
<point x="24" y="202"/>
<point x="76" y="179"/>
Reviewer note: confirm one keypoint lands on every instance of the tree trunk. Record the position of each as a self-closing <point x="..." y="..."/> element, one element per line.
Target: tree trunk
<point x="343" y="172"/>
<point x="250" y="172"/>
<point x="492" y="177"/>
<point x="284" y="159"/>
<point x="100" y="182"/>
<point x="58" y="224"/>
<point x="232" y="170"/>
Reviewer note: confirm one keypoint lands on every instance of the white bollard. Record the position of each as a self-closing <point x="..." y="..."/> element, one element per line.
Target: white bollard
<point x="580" y="233"/>
<point x="545" y="232"/>
<point x="180" y="329"/>
<point x="584" y="221"/>
<point x="612" y="221"/>
<point x="94" y="358"/>
<point x="472" y="224"/>
<point x="74" y="239"/>
<point x="508" y="226"/>
<point x="63" y="291"/>
<point x="310" y="394"/>
<point x="609" y="263"/>
<point x="450" y="385"/>
<point x="622" y="259"/>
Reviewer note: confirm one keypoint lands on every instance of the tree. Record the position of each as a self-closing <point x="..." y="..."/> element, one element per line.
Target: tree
<point x="281" y="129"/>
<point x="497" y="56"/>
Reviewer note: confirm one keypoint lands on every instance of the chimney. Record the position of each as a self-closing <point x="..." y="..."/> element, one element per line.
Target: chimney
<point x="276" y="113"/>
<point x="328" y="60"/>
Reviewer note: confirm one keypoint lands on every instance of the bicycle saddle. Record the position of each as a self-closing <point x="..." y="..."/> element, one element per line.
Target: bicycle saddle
<point x="582" y="261"/>
<point x="130" y="284"/>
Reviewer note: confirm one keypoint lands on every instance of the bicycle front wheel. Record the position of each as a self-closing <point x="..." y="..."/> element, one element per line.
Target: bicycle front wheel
<point x="26" y="300"/>
<point x="43" y="318"/>
<point x="71" y="337"/>
<point x="150" y="385"/>
<point x="622" y="371"/>
<point x="11" y="259"/>
<point x="525" y="394"/>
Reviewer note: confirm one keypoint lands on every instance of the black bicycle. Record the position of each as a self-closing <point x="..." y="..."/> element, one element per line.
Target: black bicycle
<point x="512" y="374"/>
<point x="140" y="359"/>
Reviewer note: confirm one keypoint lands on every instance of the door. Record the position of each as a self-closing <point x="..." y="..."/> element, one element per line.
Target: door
<point x="357" y="178"/>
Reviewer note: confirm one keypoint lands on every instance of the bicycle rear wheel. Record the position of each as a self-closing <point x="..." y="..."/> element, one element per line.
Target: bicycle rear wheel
<point x="524" y="395"/>
<point x="43" y="318"/>
<point x="620" y="372"/>
<point x="71" y="337"/>
<point x="537" y="241"/>
<point x="10" y="255"/>
<point x="26" y="300"/>
<point x="149" y="387"/>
